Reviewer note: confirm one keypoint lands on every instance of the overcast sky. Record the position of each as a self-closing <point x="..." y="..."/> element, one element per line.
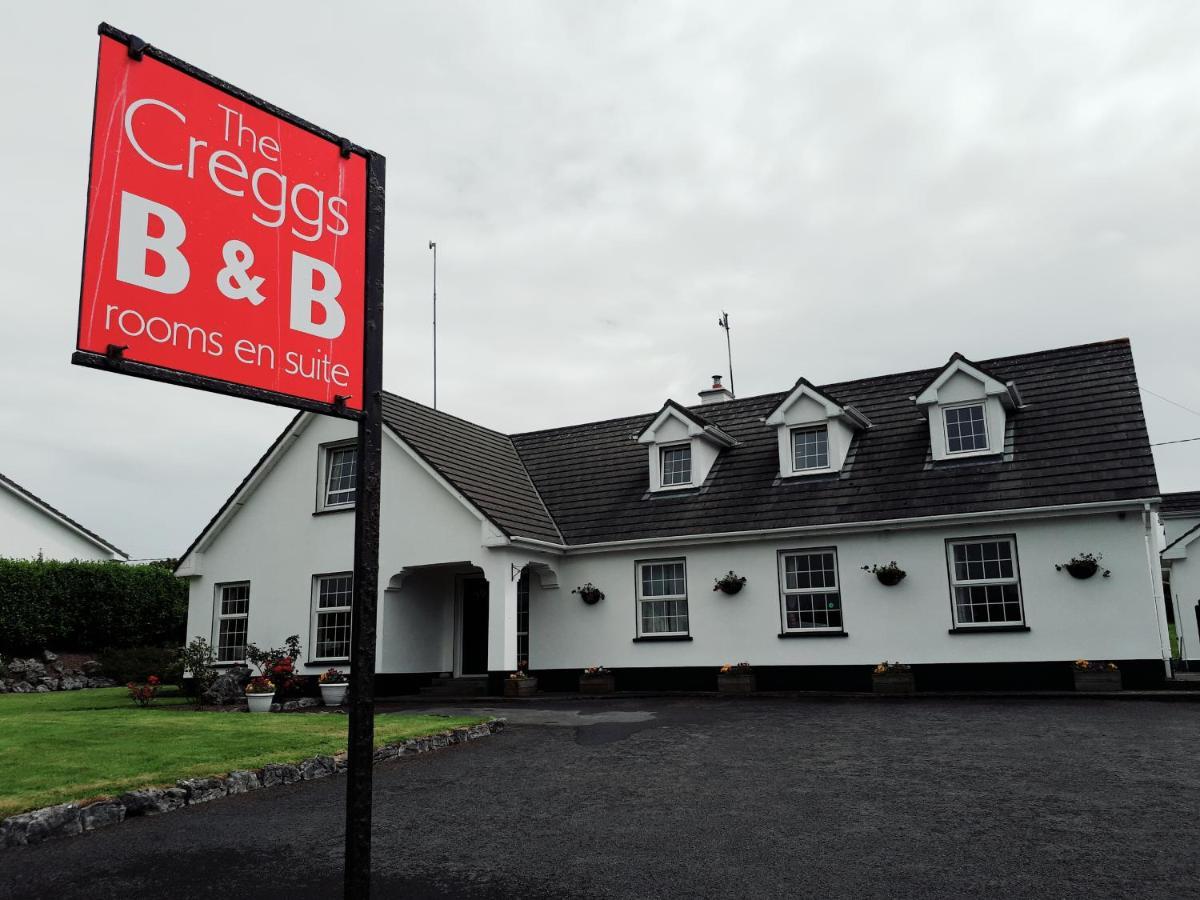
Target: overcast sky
<point x="865" y="187"/>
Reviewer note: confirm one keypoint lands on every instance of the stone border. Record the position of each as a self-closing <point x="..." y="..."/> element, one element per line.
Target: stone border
<point x="72" y="818"/>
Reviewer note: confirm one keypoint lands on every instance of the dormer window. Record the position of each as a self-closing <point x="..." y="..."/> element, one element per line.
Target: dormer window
<point x="810" y="448"/>
<point x="683" y="447"/>
<point x="814" y="431"/>
<point x="968" y="410"/>
<point x="676" y="465"/>
<point x="966" y="428"/>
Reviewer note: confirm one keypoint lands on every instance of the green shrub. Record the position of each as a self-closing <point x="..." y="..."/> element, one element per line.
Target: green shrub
<point x="126" y="664"/>
<point x="88" y="605"/>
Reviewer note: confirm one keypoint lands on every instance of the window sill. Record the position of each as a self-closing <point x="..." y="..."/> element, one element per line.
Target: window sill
<point x="987" y="629"/>
<point x="813" y="634"/>
<point x="334" y="509"/>
<point x="229" y="664"/>
<point x="325" y="662"/>
<point x="657" y="638"/>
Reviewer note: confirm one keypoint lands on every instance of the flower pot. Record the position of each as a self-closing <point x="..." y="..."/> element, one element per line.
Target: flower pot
<point x="1097" y="681"/>
<point x="591" y="598"/>
<point x="260" y="703"/>
<point x="603" y="683"/>
<point x="894" y="683"/>
<point x="889" y="577"/>
<point x="731" y="588"/>
<point x="1082" y="569"/>
<point x="520" y="687"/>
<point x="735" y="682"/>
<point x="334" y="694"/>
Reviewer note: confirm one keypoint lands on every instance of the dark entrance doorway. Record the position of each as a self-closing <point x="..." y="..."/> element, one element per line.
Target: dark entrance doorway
<point x="474" y="627"/>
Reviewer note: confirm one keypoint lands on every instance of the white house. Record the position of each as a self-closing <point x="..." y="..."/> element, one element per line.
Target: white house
<point x="1181" y="567"/>
<point x="31" y="528"/>
<point x="976" y="478"/>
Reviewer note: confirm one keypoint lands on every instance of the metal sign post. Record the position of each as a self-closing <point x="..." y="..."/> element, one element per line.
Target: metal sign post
<point x="361" y="744"/>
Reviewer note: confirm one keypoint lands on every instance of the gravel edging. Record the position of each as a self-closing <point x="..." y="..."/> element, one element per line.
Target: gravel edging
<point x="66" y="819"/>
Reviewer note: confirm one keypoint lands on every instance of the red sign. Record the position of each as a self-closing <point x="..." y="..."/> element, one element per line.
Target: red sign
<point x="222" y="241"/>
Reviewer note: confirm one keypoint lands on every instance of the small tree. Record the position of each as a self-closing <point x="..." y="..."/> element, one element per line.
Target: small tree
<point x="198" y="659"/>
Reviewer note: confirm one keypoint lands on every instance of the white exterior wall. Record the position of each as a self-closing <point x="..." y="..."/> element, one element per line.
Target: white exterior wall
<point x="1184" y="560"/>
<point x="1100" y="618"/>
<point x="26" y="531"/>
<point x="278" y="545"/>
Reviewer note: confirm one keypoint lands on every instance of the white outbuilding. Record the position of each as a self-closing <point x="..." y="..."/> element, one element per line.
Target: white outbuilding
<point x="30" y="528"/>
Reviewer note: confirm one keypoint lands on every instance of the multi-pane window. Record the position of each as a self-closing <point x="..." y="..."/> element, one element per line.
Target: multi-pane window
<point x="985" y="582"/>
<point x="810" y="448"/>
<point x="233" y="616"/>
<point x="341" y="475"/>
<point x="966" y="428"/>
<point x="676" y="465"/>
<point x="523" y="621"/>
<point x="811" y="598"/>
<point x="331" y="618"/>
<point x="662" y="597"/>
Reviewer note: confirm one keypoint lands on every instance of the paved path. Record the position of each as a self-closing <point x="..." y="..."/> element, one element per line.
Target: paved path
<point x="706" y="798"/>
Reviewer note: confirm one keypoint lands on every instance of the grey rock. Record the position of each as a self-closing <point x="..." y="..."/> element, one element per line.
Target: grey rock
<point x="41" y="689"/>
<point x="8" y="834"/>
<point x="497" y="724"/>
<point x="275" y="707"/>
<point x="230" y="687"/>
<point x="202" y="790"/>
<point x="386" y="752"/>
<point x="70" y="683"/>
<point x="22" y="687"/>
<point x="339" y="762"/>
<point x="241" y="781"/>
<point x="306" y="702"/>
<point x="99" y="681"/>
<point x="98" y="815"/>
<point x="152" y="801"/>
<point x="49" y="657"/>
<point x="17" y="666"/>
<point x="52" y="821"/>
<point x="290" y="706"/>
<point x="279" y="773"/>
<point x="52" y="684"/>
<point x="480" y="730"/>
<point x="440" y="741"/>
<point x="90" y="667"/>
<point x="4" y="688"/>
<point x="316" y="767"/>
<point x="34" y="668"/>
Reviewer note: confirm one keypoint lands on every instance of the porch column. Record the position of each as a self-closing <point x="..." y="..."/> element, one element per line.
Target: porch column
<point x="502" y="618"/>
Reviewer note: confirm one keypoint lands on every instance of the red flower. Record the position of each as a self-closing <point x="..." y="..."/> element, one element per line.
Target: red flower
<point x="153" y="679"/>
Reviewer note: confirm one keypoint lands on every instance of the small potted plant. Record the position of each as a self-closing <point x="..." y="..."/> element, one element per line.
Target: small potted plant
<point x="589" y="593"/>
<point x="729" y="583"/>
<point x="260" y="693"/>
<point x="736" y="679"/>
<point x="889" y="575"/>
<point x="334" y="685"/>
<point x="596" y="680"/>
<point x="893" y="678"/>
<point x="1096" y="676"/>
<point x="1085" y="565"/>
<point x="520" y="684"/>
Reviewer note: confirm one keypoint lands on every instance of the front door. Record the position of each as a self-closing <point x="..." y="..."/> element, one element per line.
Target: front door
<point x="474" y="627"/>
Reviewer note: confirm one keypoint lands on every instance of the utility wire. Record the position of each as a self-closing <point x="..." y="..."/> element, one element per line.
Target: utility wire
<point x="1180" y="441"/>
<point x="1169" y="400"/>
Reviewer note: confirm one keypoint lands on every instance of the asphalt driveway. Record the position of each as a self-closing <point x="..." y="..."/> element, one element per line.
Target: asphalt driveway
<point x="707" y="798"/>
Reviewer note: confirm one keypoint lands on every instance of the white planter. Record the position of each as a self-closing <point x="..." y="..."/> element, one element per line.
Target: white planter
<point x="333" y="694"/>
<point x="260" y="702"/>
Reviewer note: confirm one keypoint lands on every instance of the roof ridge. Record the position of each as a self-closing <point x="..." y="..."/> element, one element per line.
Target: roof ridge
<point x="389" y="395"/>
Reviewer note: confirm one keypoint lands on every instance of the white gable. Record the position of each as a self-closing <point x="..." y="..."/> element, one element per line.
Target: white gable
<point x="29" y="529"/>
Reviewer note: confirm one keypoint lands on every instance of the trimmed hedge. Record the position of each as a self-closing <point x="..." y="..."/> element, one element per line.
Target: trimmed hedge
<point x="88" y="606"/>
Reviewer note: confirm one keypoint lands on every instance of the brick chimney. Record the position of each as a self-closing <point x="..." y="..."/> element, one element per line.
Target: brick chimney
<point x="718" y="393"/>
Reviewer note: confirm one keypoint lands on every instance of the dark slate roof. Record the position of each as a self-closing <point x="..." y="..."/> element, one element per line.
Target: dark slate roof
<point x="38" y="501"/>
<point x="481" y="464"/>
<point x="1080" y="438"/>
<point x="1180" y="503"/>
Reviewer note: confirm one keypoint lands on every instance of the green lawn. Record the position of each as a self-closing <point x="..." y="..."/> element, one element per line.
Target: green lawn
<point x="80" y="745"/>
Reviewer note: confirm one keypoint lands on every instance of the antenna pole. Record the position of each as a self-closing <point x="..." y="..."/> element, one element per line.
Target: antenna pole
<point x="433" y="247"/>
<point x="724" y="323"/>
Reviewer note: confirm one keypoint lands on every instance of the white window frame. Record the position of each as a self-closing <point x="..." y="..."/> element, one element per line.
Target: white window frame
<point x="811" y="426"/>
<point x="785" y="591"/>
<point x="325" y="471"/>
<point x="955" y="582"/>
<point x="662" y="452"/>
<point x="987" y="434"/>
<point x="219" y="616"/>
<point x="523" y="613"/>
<point x="317" y="612"/>
<point x="643" y="599"/>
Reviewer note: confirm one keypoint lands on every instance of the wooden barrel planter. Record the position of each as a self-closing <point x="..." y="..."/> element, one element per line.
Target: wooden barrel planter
<point x="1090" y="682"/>
<point x="602" y="683"/>
<point x="894" y="683"/>
<point x="736" y="682"/>
<point x="520" y="687"/>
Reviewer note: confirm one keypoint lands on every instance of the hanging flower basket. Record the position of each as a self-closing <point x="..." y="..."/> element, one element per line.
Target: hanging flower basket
<point x="729" y="583"/>
<point x="1083" y="566"/>
<point x="889" y="575"/>
<point x="589" y="593"/>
